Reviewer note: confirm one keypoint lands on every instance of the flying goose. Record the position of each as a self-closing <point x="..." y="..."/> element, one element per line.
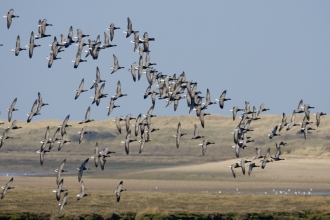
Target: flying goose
<point x="33" y="111"/>
<point x="153" y="97"/>
<point x="251" y="165"/>
<point x="59" y="190"/>
<point x="119" y="190"/>
<point x="258" y="155"/>
<point x="147" y="63"/>
<point x="273" y="134"/>
<point x="129" y="30"/>
<point x="318" y="117"/>
<point x="146" y="38"/>
<point x="31" y="46"/>
<point x="304" y="123"/>
<point x="106" y="42"/>
<point x="59" y="171"/>
<point x="98" y="78"/>
<point x="178" y="135"/>
<point x="42" y="29"/>
<point x="204" y="146"/>
<point x="149" y="130"/>
<point x="7" y="187"/>
<point x="118" y="92"/>
<point x="235" y="110"/>
<point x="201" y="116"/>
<point x="136" y="40"/>
<point x="9" y="17"/>
<point x="147" y="93"/>
<point x="63" y="202"/>
<point x="112" y="106"/>
<point x="283" y="123"/>
<point x="4" y="137"/>
<point x="208" y="99"/>
<point x="18" y="48"/>
<point x="142" y="141"/>
<point x="265" y="160"/>
<point x="222" y="99"/>
<point x="65" y="124"/>
<point x="69" y="40"/>
<point x="127" y="141"/>
<point x="87" y="120"/>
<point x="63" y="141"/>
<point x="254" y="114"/>
<point x="306" y="107"/>
<point x="232" y="167"/>
<point x="80" y="89"/>
<point x="54" y="139"/>
<point x="306" y="129"/>
<point x="11" y="109"/>
<point x="78" y="60"/>
<point x="262" y="109"/>
<point x="82" y="133"/>
<point x="40" y="104"/>
<point x="115" y="66"/>
<point x="117" y="121"/>
<point x="127" y="121"/>
<point x="278" y="151"/>
<point x="132" y="69"/>
<point x="242" y="164"/>
<point x="51" y="59"/>
<point x="96" y="155"/>
<point x="81" y="169"/>
<point x="300" y="107"/>
<point x="14" y="126"/>
<point x="80" y="35"/>
<point x="292" y="123"/>
<point x="82" y="193"/>
<point x="196" y="135"/>
<point x="136" y="125"/>
<point x="112" y="29"/>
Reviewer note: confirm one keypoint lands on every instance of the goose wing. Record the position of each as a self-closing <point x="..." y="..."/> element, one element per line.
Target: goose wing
<point x="63" y="203"/>
<point x="127" y="140"/>
<point x="81" y="169"/>
<point x="31" y="47"/>
<point x="59" y="171"/>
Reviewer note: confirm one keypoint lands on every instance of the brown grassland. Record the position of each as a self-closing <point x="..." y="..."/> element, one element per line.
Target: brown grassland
<point x="188" y="183"/>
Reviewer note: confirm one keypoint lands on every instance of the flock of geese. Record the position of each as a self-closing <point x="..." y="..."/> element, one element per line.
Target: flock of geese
<point x="170" y="88"/>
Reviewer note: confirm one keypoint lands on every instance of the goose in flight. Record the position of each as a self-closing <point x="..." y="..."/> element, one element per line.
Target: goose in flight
<point x="80" y="89"/>
<point x="14" y="125"/>
<point x="18" y="48"/>
<point x="33" y="111"/>
<point x="118" y="92"/>
<point x="82" y="133"/>
<point x="54" y="139"/>
<point x="132" y="69"/>
<point x="42" y="29"/>
<point x="251" y="166"/>
<point x="127" y="141"/>
<point x="119" y="190"/>
<point x="82" y="193"/>
<point x="196" y="133"/>
<point x="242" y="164"/>
<point x="273" y="134"/>
<point x="80" y="35"/>
<point x="115" y="66"/>
<point x="306" y="129"/>
<point x="208" y="99"/>
<point x="204" y="146"/>
<point x="117" y="122"/>
<point x="300" y="107"/>
<point x="234" y="111"/>
<point x="129" y="30"/>
<point x="127" y="121"/>
<point x="98" y="78"/>
<point x="112" y="29"/>
<point x="59" y="171"/>
<point x="62" y="141"/>
<point x="40" y="103"/>
<point x="4" y="137"/>
<point x="262" y="109"/>
<point x="78" y="60"/>
<point x="258" y="154"/>
<point x="65" y="124"/>
<point x="87" y="120"/>
<point x="306" y="107"/>
<point x="283" y="123"/>
<point x="222" y="99"/>
<point x="232" y="167"/>
<point x="112" y="106"/>
<point x="278" y="151"/>
<point x="51" y="59"/>
<point x="59" y="190"/>
<point x="11" y="109"/>
<point x="107" y="42"/>
<point x="63" y="202"/>
<point x="265" y="160"/>
<point x="178" y="135"/>
<point x="318" y="117"/>
<point x="31" y="46"/>
<point x="81" y="169"/>
<point x="9" y="17"/>
<point x="7" y="187"/>
<point x="292" y="123"/>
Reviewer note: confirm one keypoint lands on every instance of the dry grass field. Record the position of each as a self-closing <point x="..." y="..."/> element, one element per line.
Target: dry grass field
<point x="188" y="183"/>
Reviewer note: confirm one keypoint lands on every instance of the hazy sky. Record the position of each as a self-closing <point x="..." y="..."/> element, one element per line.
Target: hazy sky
<point x="272" y="52"/>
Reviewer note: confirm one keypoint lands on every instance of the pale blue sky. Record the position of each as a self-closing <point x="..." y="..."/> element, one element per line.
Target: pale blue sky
<point x="272" y="52"/>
